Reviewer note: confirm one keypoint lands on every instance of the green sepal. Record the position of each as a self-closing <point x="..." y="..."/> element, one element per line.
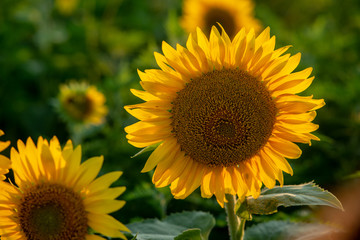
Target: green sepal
<point x="241" y="210"/>
<point x="146" y="149"/>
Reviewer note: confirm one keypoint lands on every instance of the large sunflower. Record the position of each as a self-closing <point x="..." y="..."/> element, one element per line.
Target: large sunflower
<point x="82" y="103"/>
<point x="4" y="161"/>
<point x="225" y="114"/>
<point x="57" y="197"/>
<point x="231" y="14"/>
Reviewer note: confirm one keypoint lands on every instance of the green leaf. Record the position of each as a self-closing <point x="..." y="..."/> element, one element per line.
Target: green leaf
<point x="283" y="230"/>
<point x="354" y="175"/>
<point x="287" y="196"/>
<point x="146" y="149"/>
<point x="191" y="234"/>
<point x="179" y="226"/>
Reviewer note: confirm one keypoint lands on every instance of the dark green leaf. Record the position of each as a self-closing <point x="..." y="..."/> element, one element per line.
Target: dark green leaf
<point x="180" y="226"/>
<point x="191" y="234"/>
<point x="287" y="196"/>
<point x="283" y="230"/>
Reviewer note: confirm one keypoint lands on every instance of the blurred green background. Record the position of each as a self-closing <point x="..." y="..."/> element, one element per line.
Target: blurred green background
<point x="105" y="42"/>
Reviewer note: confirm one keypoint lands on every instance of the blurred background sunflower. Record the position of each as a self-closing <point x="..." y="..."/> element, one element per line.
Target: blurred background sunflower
<point x="4" y="161"/>
<point x="231" y="14"/>
<point x="105" y="42"/>
<point x="80" y="103"/>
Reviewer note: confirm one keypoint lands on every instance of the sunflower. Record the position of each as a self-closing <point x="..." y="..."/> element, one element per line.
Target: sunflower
<point x="66" y="7"/>
<point x="231" y="14"/>
<point x="4" y="161"/>
<point x="224" y="113"/>
<point x="82" y="103"/>
<point x="56" y="197"/>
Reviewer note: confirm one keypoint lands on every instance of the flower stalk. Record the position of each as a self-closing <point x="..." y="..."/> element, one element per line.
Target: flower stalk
<point x="236" y="225"/>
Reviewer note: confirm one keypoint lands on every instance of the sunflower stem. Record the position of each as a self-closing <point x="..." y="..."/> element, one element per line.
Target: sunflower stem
<point x="241" y="230"/>
<point x="235" y="224"/>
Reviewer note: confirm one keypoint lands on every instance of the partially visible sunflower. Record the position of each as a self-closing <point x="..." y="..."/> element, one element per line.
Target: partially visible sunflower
<point x="231" y="14"/>
<point x="66" y="7"/>
<point x="4" y="161"/>
<point x="56" y="196"/>
<point x="82" y="103"/>
<point x="225" y="114"/>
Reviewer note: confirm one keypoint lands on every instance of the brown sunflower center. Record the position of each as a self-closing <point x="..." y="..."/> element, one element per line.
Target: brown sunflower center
<point x="222" y="16"/>
<point x="223" y="117"/>
<point x="52" y="211"/>
<point x="79" y="106"/>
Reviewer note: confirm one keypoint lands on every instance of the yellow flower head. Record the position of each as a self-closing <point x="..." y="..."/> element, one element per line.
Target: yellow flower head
<point x="82" y="103"/>
<point x="66" y="7"/>
<point x="56" y="196"/>
<point x="231" y="14"/>
<point x="225" y="113"/>
<point x="4" y="161"/>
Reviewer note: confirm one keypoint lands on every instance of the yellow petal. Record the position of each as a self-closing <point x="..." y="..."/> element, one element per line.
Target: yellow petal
<point x="250" y="47"/>
<point x="93" y="237"/>
<point x="173" y="154"/>
<point x="161" y="77"/>
<point x="266" y="173"/>
<point x="299" y="127"/>
<point x="160" y="153"/>
<point x="278" y="159"/>
<point x="203" y="42"/>
<point x="172" y="58"/>
<point x="297" y="104"/>
<point x="152" y="105"/>
<point x="160" y="90"/>
<point x="143" y="95"/>
<point x="104" y="206"/>
<point x="263" y="37"/>
<point x="292" y="136"/>
<point x="4" y="145"/>
<point x="179" y="184"/>
<point x="73" y="164"/>
<point x="48" y="162"/>
<point x="198" y="53"/>
<point x="174" y="171"/>
<point x="88" y="172"/>
<point x="4" y="162"/>
<point x="109" y="221"/>
<point x="301" y="75"/>
<point x="160" y="128"/>
<point x="285" y="148"/>
<point x="205" y="185"/>
<point x="139" y="127"/>
<point x="189" y="183"/>
<point x="162" y="63"/>
<point x="108" y="193"/>
<point x="104" y="181"/>
<point x="305" y="117"/>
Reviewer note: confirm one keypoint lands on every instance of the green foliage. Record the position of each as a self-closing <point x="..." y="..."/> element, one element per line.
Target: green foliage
<point x="105" y="42"/>
<point x="354" y="175"/>
<point x="283" y="230"/>
<point x="287" y="196"/>
<point x="178" y="226"/>
<point x="190" y="234"/>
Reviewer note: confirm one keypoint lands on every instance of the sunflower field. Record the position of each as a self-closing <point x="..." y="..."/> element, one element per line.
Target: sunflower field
<point x="226" y="119"/>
